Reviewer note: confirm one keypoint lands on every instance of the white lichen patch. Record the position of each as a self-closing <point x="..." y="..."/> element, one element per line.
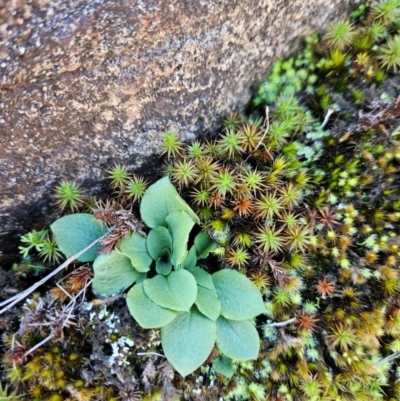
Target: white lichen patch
<point x="121" y="345"/>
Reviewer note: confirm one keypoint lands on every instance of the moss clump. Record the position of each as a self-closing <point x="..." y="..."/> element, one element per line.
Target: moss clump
<point x="310" y="211"/>
<point x="302" y="197"/>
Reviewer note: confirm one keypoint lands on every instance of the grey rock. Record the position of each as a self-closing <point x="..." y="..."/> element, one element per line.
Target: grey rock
<point x="84" y="83"/>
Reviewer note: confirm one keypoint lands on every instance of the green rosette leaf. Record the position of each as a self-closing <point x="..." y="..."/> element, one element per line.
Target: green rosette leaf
<point x="113" y="273"/>
<point x="159" y="201"/>
<point x="237" y="340"/>
<point x="177" y="291"/>
<point x="202" y="277"/>
<point x="208" y="303"/>
<point x="223" y="366"/>
<point x="191" y="259"/>
<point x="135" y="248"/>
<point x="188" y="340"/>
<point x="158" y="240"/>
<point x="240" y="298"/>
<point x="180" y="224"/>
<point x="146" y="312"/>
<point x="204" y="244"/>
<point x="163" y="263"/>
<point x="77" y="231"/>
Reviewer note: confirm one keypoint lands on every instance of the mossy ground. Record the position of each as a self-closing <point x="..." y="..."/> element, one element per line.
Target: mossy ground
<point x="306" y="203"/>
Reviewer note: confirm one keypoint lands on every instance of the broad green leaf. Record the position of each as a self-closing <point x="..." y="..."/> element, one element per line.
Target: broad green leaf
<point x="180" y="224"/>
<point x="204" y="244"/>
<point x="208" y="303"/>
<point x="113" y="273"/>
<point x="207" y="298"/>
<point x="223" y="366"/>
<point x="240" y="298"/>
<point x="158" y="239"/>
<point x="177" y="291"/>
<point x="188" y="340"/>
<point x="146" y="312"/>
<point x="134" y="247"/>
<point x="159" y="201"/>
<point x="191" y="259"/>
<point x="237" y="340"/>
<point x="202" y="277"/>
<point x="75" y="232"/>
<point x="163" y="263"/>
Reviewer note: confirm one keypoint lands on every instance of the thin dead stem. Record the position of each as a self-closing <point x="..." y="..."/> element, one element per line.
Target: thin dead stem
<point x="282" y="324"/>
<point x="387" y="359"/>
<point x="149" y="353"/>
<point x="266" y="128"/>
<point x="326" y="119"/>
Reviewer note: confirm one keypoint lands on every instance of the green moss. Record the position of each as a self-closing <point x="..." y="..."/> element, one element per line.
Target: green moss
<point x="303" y="199"/>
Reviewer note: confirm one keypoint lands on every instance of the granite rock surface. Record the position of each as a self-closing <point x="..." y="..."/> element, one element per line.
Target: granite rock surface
<point x="85" y="83"/>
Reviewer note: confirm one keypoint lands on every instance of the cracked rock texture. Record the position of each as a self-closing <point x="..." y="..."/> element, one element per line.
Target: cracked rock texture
<point x="87" y="83"/>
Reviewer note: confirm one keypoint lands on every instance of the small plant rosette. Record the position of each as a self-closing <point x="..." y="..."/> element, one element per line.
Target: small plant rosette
<point x="194" y="309"/>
